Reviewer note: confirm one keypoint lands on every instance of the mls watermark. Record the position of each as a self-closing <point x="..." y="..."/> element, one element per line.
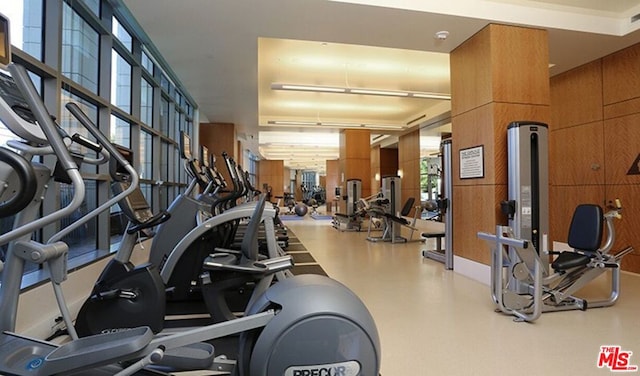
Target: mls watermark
<point x="616" y="359"/>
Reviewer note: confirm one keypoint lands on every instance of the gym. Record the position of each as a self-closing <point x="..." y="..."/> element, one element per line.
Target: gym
<point x="433" y="166"/>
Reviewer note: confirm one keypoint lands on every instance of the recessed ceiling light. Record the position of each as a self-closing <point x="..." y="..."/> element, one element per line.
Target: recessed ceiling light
<point x="442" y="35"/>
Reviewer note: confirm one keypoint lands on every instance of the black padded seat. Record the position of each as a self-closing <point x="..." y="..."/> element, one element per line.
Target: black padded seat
<point x="585" y="235"/>
<point x="397" y="219"/>
<point x="568" y="260"/>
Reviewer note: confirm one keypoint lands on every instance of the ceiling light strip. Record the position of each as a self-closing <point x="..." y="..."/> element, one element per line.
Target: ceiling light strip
<point x="331" y="124"/>
<point x="361" y="91"/>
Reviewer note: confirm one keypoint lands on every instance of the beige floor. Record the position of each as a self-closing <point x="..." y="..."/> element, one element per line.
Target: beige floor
<point x="437" y="322"/>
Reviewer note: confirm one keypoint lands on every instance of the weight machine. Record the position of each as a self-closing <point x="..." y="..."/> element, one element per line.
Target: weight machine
<point x="522" y="284"/>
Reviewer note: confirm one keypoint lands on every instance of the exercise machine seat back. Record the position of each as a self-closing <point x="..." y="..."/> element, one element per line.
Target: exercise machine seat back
<point x="406" y="209"/>
<point x="585" y="235"/>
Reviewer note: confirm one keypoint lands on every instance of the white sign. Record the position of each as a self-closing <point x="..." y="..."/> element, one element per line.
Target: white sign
<point x="472" y="162"/>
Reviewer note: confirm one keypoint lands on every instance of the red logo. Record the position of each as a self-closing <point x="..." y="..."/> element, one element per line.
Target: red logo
<point x="616" y="359"/>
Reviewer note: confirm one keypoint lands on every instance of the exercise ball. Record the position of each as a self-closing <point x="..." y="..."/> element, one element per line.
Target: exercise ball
<point x="430" y="205"/>
<point x="301" y="210"/>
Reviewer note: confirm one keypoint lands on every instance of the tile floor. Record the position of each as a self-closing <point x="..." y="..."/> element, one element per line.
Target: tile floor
<point x="437" y="322"/>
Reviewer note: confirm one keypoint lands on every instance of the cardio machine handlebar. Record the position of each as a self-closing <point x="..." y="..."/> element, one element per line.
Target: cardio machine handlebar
<point x="50" y="129"/>
<point x="102" y="140"/>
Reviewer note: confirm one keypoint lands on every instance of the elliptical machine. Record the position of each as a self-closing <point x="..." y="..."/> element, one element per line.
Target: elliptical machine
<point x="303" y="325"/>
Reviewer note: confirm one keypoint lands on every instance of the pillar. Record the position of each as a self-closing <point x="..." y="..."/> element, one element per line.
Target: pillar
<point x="499" y="75"/>
<point x="355" y="158"/>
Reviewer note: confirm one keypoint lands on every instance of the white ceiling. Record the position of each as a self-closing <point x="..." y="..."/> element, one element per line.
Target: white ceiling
<point x="227" y="53"/>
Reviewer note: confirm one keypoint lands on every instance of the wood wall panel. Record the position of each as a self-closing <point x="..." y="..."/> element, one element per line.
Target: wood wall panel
<point x="358" y="144"/>
<point x="621" y="77"/>
<point x="473" y="211"/>
<point x="627" y="227"/>
<point x="614" y="141"/>
<point x="475" y="128"/>
<point x="632" y="106"/>
<point x="375" y="169"/>
<point x="271" y="172"/>
<point x="568" y="162"/>
<point x="409" y="163"/>
<point x="332" y="181"/>
<point x="564" y="200"/>
<point x="576" y="96"/>
<point x="355" y="158"/>
<point x="519" y="74"/>
<point x="470" y="67"/>
<point x="389" y="161"/>
<point x="219" y="138"/>
<point x="621" y="149"/>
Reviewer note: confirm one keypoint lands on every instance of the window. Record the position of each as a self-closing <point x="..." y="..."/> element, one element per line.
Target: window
<point x="146" y="156"/>
<point x="108" y="103"/>
<point x="80" y="49"/>
<point x="93" y="5"/>
<point x="146" y="62"/>
<point x="120" y="82"/>
<point x="146" y="102"/>
<point x="164" y="116"/>
<point x="120" y="131"/>
<point x="430" y="171"/>
<point x="83" y="239"/>
<point x="121" y="33"/>
<point x="26" y="24"/>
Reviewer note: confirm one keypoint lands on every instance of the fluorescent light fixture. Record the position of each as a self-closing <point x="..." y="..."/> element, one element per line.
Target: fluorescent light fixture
<point x="333" y="124"/>
<point x="327" y="89"/>
<point x="379" y="92"/>
<point x="431" y="96"/>
<point x="383" y="126"/>
<point x="361" y="91"/>
<point x="279" y="122"/>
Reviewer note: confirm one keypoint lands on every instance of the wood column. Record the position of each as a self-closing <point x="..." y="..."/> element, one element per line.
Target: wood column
<point x="499" y="75"/>
<point x="409" y="166"/>
<point x="332" y="181"/>
<point x="219" y="137"/>
<point x="355" y="158"/>
<point x="384" y="162"/>
<point x="271" y="173"/>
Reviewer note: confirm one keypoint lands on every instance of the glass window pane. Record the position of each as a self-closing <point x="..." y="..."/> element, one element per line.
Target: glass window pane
<point x="164" y="162"/>
<point x="26" y="24"/>
<point x="120" y="131"/>
<point x="164" y="197"/>
<point x="120" y="82"/>
<point x="175" y="126"/>
<point x="164" y="116"/>
<point x="146" y="62"/>
<point x="121" y="33"/>
<point x="164" y="83"/>
<point x="82" y="239"/>
<point x="147" y="192"/>
<point x="93" y="5"/>
<point x="80" y="49"/>
<point x="146" y="155"/>
<point x="146" y="102"/>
